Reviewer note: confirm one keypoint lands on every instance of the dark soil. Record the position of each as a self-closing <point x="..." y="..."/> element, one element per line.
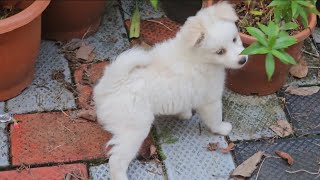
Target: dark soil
<point x="247" y="19"/>
<point x="7" y="11"/>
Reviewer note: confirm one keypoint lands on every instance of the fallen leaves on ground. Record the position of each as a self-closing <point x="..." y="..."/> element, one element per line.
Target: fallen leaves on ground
<point x="285" y="156"/>
<point x="212" y="146"/>
<point x="299" y="70"/>
<point x="302" y="91"/>
<point x="228" y="149"/>
<point x="85" y="114"/>
<point x="282" y="128"/>
<point x="246" y="168"/>
<point x="85" y="53"/>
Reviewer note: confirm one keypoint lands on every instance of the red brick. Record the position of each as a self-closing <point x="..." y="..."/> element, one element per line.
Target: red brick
<point x="46" y="173"/>
<point x="54" y="137"/>
<point x="156" y="30"/>
<point x="94" y="72"/>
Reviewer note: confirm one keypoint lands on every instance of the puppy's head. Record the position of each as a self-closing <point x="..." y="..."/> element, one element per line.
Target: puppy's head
<point x="213" y="36"/>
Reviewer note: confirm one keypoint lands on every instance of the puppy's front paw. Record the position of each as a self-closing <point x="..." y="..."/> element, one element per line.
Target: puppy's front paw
<point x="224" y="128"/>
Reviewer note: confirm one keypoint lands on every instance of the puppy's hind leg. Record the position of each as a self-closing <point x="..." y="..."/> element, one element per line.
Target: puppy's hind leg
<point x="211" y="115"/>
<point x="126" y="142"/>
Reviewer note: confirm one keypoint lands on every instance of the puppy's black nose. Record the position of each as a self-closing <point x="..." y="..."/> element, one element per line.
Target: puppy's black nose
<point x="242" y="60"/>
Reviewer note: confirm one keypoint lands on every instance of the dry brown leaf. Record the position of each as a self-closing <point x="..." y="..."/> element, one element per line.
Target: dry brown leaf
<point x="73" y="45"/>
<point x="153" y="150"/>
<point x="88" y="114"/>
<point x="84" y="52"/>
<point x="212" y="146"/>
<point x="299" y="70"/>
<point x="145" y="46"/>
<point x="228" y="149"/>
<point x="303" y="91"/>
<point x="285" y="156"/>
<point x="282" y="128"/>
<point x="246" y="168"/>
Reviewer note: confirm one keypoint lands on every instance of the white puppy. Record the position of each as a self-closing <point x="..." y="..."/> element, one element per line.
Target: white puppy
<point x="172" y="78"/>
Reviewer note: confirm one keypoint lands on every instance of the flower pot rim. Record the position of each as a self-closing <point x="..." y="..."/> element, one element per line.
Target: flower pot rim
<point x="24" y="17"/>
<point x="302" y="35"/>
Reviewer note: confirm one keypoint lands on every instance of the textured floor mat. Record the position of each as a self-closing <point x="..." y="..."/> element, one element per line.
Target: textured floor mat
<point x="305" y="152"/>
<point x="137" y="171"/>
<point x="4" y="146"/>
<point x="184" y="143"/>
<point x="304" y="112"/>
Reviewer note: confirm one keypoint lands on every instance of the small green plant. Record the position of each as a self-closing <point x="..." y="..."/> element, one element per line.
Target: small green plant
<point x="135" y="19"/>
<point x="273" y="38"/>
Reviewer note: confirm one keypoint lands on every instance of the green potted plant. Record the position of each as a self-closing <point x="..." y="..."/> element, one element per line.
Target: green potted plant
<point x="273" y="32"/>
<point x="20" y="36"/>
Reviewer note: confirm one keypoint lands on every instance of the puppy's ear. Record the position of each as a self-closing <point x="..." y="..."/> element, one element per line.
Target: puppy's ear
<point x="192" y="32"/>
<point x="222" y="10"/>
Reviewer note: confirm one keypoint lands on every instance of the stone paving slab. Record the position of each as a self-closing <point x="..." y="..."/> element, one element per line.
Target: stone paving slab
<point x="45" y="94"/>
<point x="188" y="157"/>
<point x="136" y="171"/>
<point x="4" y="146"/>
<point x="312" y="77"/>
<point x="251" y="116"/>
<point x="2" y="105"/>
<point x="111" y="38"/>
<point x="305" y="152"/>
<point x="304" y="112"/>
<point x="47" y="173"/>
<point x="146" y="10"/>
<point x="316" y="35"/>
<point x="54" y="137"/>
<point x="310" y="48"/>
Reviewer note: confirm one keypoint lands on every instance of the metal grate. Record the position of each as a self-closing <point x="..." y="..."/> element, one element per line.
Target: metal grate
<point x="146" y="10"/>
<point x="251" y="116"/>
<point x="4" y="146"/>
<point x="137" y="171"/>
<point x="304" y="112"/>
<point x="45" y="94"/>
<point x="188" y="157"/>
<point x="305" y="152"/>
<point x="111" y="38"/>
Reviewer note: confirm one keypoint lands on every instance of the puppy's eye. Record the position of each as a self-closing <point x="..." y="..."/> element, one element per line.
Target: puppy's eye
<point x="221" y="51"/>
<point x="234" y="40"/>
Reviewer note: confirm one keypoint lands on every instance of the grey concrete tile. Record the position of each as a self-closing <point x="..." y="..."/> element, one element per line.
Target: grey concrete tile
<point x="4" y="146"/>
<point x="136" y="171"/>
<point x="111" y="38"/>
<point x="184" y="143"/>
<point x="310" y="48"/>
<point x="312" y="77"/>
<point x="45" y="94"/>
<point x="316" y="35"/>
<point x="146" y="10"/>
<point x="304" y="112"/>
<point x="304" y="151"/>
<point x="251" y="116"/>
<point x="2" y="105"/>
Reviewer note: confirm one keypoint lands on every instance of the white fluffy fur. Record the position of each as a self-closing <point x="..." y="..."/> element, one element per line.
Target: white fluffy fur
<point x="172" y="78"/>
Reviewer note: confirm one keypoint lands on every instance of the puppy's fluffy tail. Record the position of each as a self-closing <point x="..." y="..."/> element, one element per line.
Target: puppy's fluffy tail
<point x="119" y="70"/>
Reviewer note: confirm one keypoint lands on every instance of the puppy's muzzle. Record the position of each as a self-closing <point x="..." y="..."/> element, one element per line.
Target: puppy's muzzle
<point x="243" y="60"/>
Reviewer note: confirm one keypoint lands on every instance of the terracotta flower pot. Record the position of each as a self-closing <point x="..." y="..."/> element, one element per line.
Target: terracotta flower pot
<point x="20" y="37"/>
<point x="64" y="20"/>
<point x="252" y="78"/>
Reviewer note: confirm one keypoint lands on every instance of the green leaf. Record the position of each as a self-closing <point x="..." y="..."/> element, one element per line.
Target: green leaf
<point x="255" y="32"/>
<point x="135" y="24"/>
<point x="277" y="15"/>
<point x="283" y="56"/>
<point x="255" y="48"/>
<point x="294" y="8"/>
<point x="272" y="41"/>
<point x="284" y="42"/>
<point x="154" y="4"/>
<point x="304" y="18"/>
<point x="256" y="13"/>
<point x="306" y="4"/>
<point x="265" y="29"/>
<point x="277" y="3"/>
<point x="274" y="29"/>
<point x="270" y="65"/>
<point x="289" y="26"/>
